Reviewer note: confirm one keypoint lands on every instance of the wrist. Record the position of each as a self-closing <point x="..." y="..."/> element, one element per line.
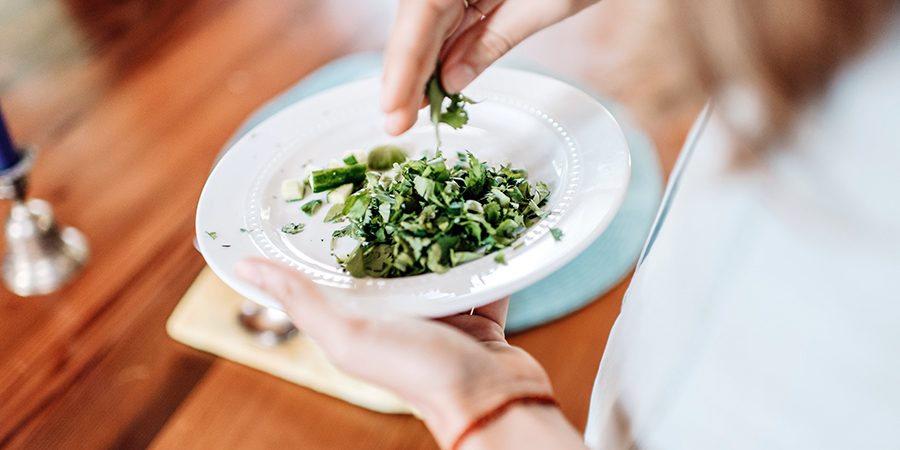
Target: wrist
<point x="525" y="425"/>
<point x="486" y="421"/>
<point x="450" y="414"/>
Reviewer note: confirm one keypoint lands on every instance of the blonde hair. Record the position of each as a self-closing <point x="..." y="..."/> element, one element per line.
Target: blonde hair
<point x="787" y="51"/>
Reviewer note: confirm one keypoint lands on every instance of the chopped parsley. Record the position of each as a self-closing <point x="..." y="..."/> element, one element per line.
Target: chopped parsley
<point x="311" y="207"/>
<point x="334" y="212"/>
<point x="557" y="234"/>
<point x="427" y="216"/>
<point x="500" y="258"/>
<point x="212" y="234"/>
<point x="292" y="228"/>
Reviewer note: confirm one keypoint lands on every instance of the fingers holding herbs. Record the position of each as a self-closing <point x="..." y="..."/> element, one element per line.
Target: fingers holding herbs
<point x="419" y="31"/>
<point x="465" y="40"/>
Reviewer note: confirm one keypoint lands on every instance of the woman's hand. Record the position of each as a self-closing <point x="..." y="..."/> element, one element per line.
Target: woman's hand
<point x="451" y="371"/>
<point x="426" y="29"/>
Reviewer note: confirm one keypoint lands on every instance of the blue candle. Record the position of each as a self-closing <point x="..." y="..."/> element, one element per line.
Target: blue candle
<point x="9" y="156"/>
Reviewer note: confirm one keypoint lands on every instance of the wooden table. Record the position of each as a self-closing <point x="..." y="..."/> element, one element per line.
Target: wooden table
<point x="129" y="102"/>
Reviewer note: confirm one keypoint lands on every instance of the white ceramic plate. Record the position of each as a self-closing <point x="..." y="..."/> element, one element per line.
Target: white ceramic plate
<point x="559" y="134"/>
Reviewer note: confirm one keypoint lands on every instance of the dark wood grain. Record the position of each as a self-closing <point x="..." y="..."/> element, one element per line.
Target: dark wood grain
<point x="129" y="101"/>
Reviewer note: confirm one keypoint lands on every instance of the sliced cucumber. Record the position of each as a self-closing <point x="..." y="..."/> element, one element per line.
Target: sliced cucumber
<point x="309" y="169"/>
<point x="354" y="157"/>
<point x="323" y="180"/>
<point x="293" y="189"/>
<point x="340" y="193"/>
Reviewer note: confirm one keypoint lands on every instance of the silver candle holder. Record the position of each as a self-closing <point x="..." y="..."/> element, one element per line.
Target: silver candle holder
<point x="40" y="256"/>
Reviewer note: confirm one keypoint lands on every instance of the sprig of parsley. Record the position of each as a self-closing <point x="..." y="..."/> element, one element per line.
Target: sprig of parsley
<point x="455" y="113"/>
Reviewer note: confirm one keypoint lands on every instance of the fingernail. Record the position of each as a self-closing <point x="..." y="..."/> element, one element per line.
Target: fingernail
<point x="458" y="77"/>
<point x="249" y="271"/>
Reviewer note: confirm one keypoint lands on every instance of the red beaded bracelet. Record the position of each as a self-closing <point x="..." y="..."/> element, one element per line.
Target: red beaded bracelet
<point x="498" y="411"/>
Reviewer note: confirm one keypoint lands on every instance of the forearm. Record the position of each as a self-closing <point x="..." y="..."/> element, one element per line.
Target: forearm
<point x="526" y="427"/>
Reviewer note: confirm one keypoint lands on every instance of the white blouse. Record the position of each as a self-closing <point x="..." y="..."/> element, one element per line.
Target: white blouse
<point x="766" y="312"/>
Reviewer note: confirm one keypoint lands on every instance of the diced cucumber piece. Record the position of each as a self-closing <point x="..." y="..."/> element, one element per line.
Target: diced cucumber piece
<point x="326" y="179"/>
<point x="354" y="157"/>
<point x="292" y="190"/>
<point x="309" y="169"/>
<point x="340" y="193"/>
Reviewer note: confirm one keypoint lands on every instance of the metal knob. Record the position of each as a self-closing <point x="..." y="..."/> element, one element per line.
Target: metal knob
<point x="40" y="257"/>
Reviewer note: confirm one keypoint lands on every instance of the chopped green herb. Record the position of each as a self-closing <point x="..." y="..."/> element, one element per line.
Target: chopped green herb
<point x="292" y="228"/>
<point x="500" y="258"/>
<point x="354" y="264"/>
<point x="335" y="212"/>
<point x="212" y="234"/>
<point x="426" y="216"/>
<point x="350" y="160"/>
<point x="557" y="234"/>
<point x="311" y="207"/>
<point x="244" y="230"/>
